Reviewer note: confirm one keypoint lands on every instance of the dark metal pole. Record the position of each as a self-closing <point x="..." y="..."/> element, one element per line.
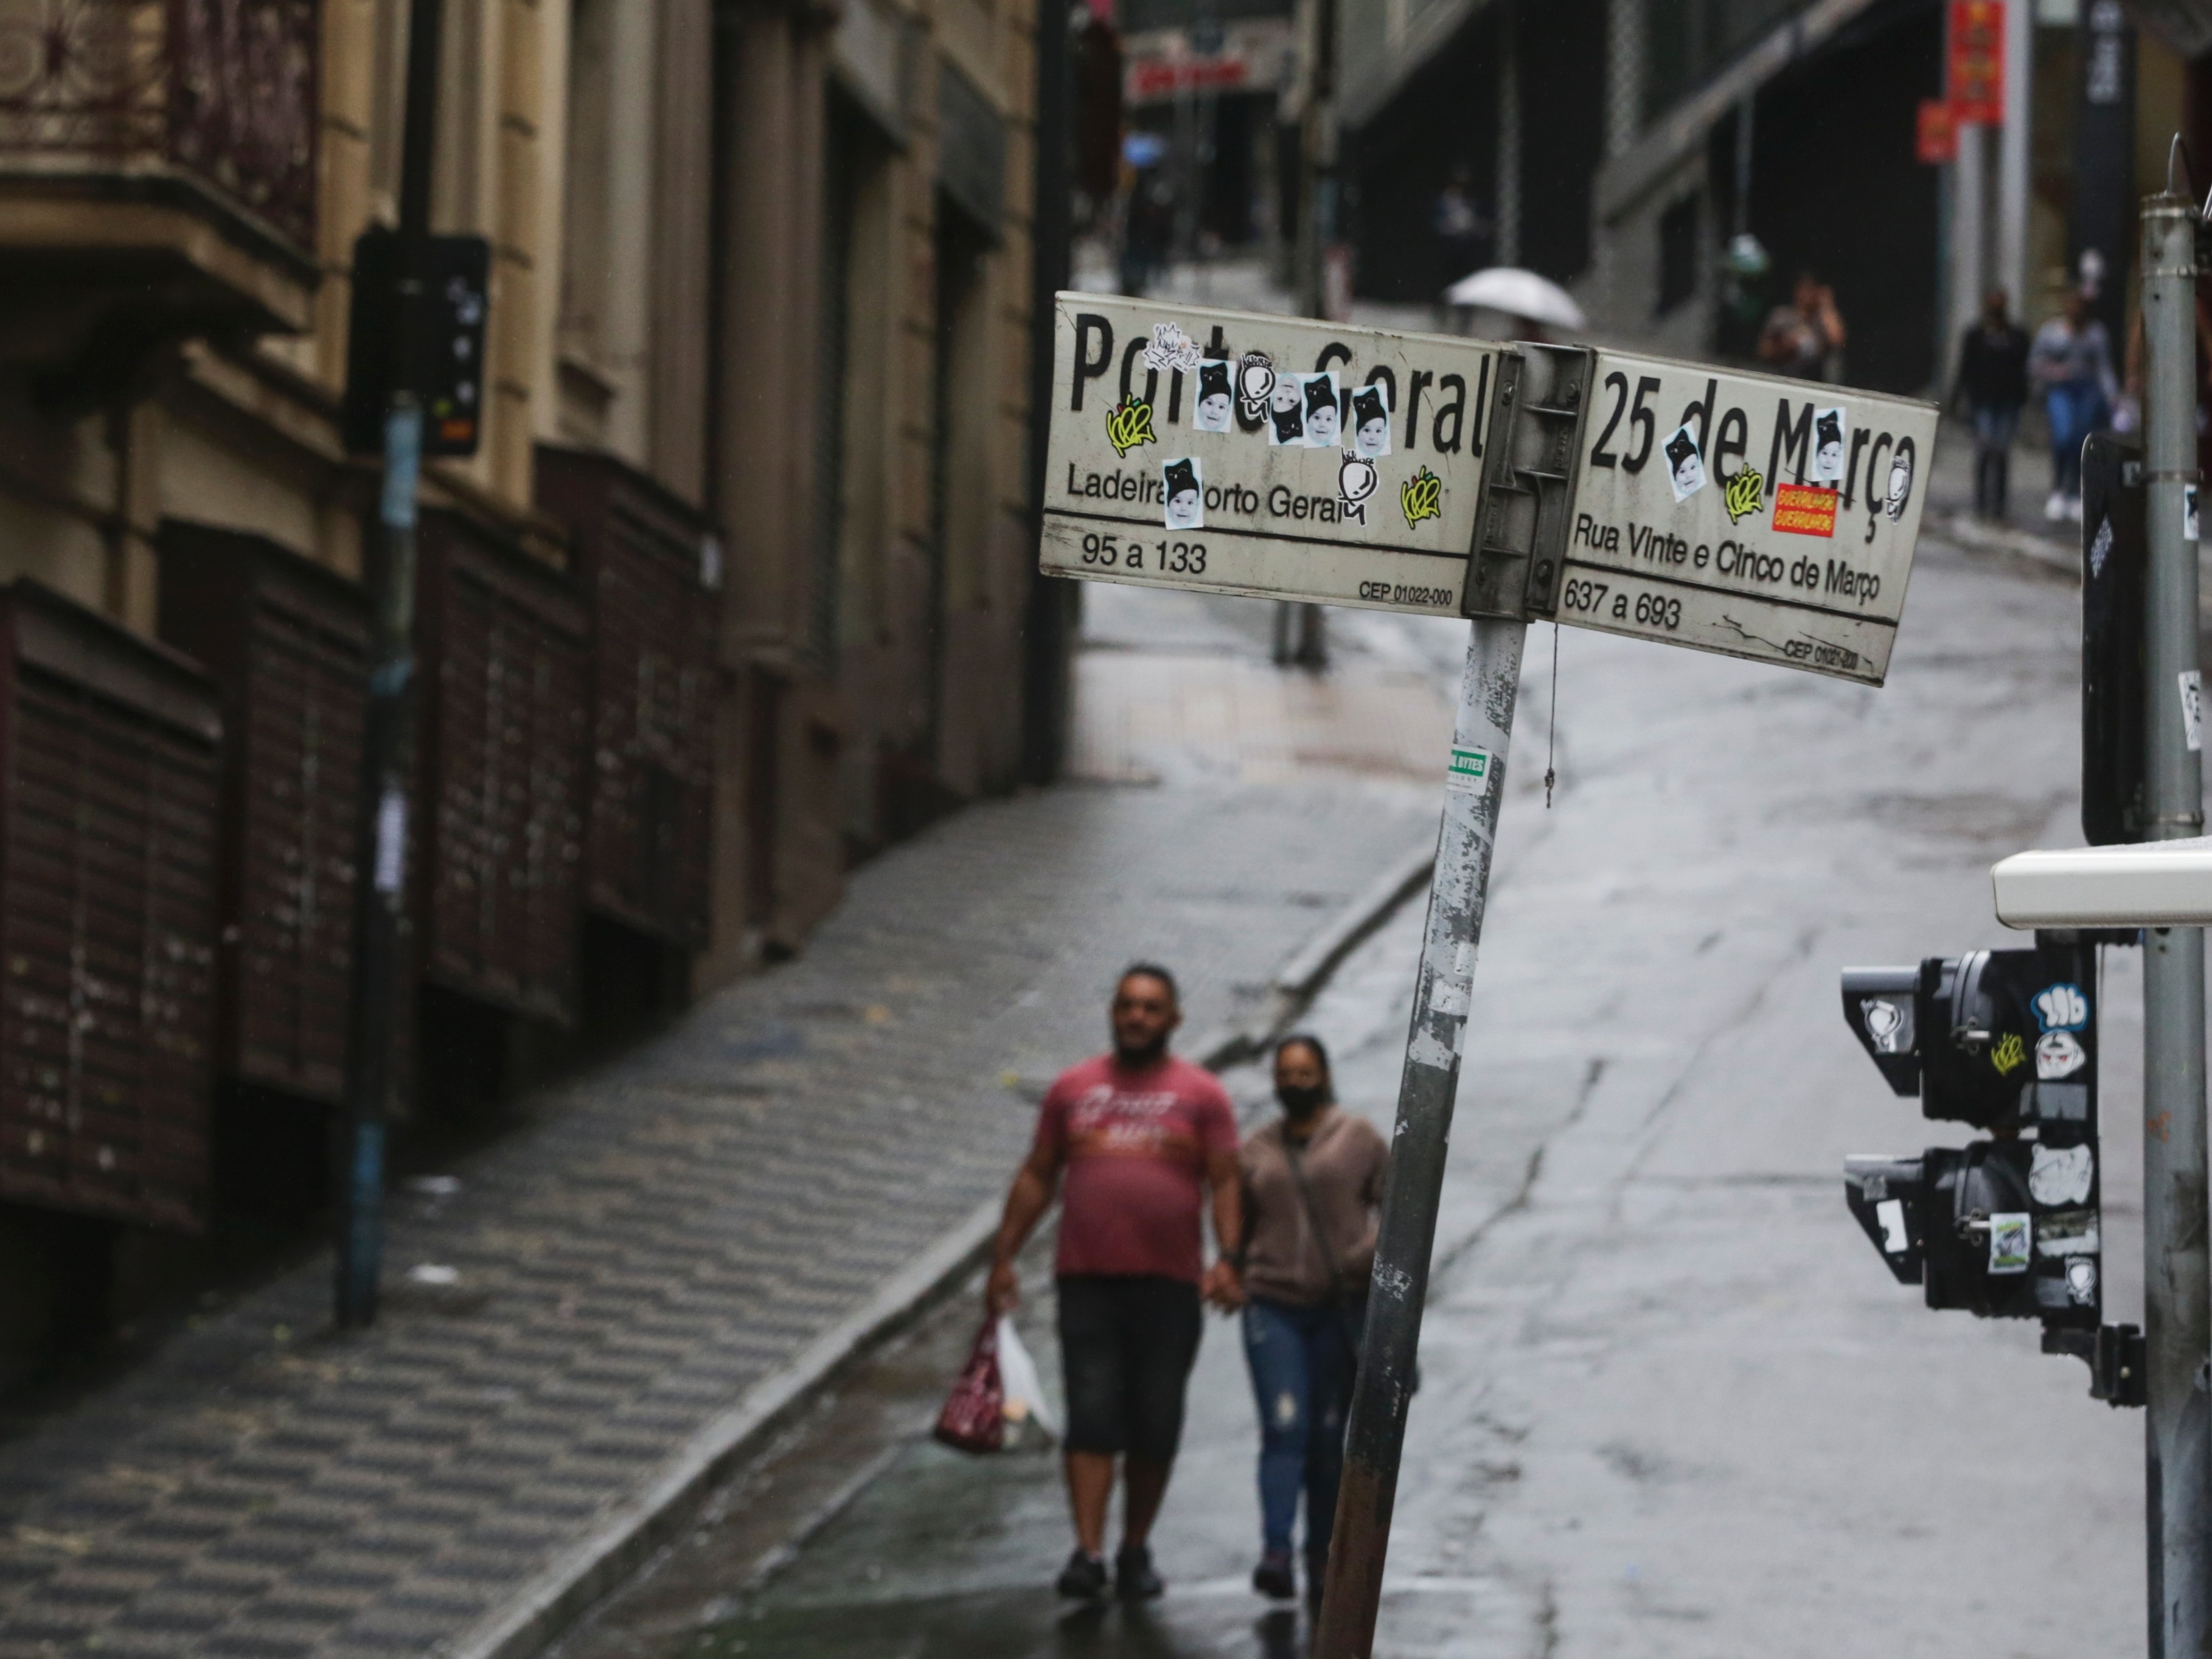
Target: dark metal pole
<point x="381" y="861"/>
<point x="2177" y="1314"/>
<point x="1050" y="614"/>
<point x="1302" y="627"/>
<point x="1375" y="1438"/>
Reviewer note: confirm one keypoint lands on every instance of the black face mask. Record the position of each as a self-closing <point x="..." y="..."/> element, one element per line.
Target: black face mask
<point x="1300" y="1102"/>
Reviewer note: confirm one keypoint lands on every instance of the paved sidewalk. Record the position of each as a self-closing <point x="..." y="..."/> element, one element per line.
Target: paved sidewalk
<point x="667" y="1233"/>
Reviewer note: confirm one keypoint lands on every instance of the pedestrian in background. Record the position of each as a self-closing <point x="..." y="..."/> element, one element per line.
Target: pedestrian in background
<point x="1993" y="383"/>
<point x="1461" y="232"/>
<point x="1142" y="1138"/>
<point x="2071" y="364"/>
<point x="1313" y="1190"/>
<point x="1806" y="337"/>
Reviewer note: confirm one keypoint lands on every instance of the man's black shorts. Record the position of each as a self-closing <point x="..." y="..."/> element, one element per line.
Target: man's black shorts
<point x="1127" y="1343"/>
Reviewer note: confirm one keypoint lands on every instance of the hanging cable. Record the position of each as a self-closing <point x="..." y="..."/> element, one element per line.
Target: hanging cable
<point x="1552" y="720"/>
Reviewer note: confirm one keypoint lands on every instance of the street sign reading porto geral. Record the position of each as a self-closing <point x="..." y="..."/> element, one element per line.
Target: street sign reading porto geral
<point x="1765" y="518"/>
<point x="1264" y="455"/>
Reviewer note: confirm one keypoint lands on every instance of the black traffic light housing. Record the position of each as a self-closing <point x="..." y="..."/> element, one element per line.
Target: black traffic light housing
<point x="449" y="369"/>
<point x="2008" y="1227"/>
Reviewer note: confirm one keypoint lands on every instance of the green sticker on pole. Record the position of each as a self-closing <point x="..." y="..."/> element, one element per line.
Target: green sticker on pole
<point x="1470" y="768"/>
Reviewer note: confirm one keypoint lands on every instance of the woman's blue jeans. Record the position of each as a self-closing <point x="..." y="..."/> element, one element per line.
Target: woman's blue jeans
<point x="2076" y="409"/>
<point x="1301" y="1361"/>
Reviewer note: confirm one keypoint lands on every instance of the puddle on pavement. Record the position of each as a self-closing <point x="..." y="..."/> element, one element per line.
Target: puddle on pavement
<point x="1012" y="1623"/>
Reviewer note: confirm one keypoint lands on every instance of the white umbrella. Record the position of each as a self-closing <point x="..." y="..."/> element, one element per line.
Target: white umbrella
<point x="1518" y="294"/>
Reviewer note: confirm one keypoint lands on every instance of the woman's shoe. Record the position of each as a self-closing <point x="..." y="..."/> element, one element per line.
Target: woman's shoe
<point x="1273" y="1576"/>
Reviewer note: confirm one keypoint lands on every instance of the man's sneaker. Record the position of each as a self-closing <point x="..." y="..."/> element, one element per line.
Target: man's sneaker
<point x="1134" y="1577"/>
<point x="1084" y="1577"/>
<point x="1273" y="1576"/>
<point x="2054" y="507"/>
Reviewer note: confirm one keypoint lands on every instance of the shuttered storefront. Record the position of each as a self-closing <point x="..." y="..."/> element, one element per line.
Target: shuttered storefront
<point x="110" y="751"/>
<point x="287" y="642"/>
<point x="640" y="559"/>
<point x="503" y="675"/>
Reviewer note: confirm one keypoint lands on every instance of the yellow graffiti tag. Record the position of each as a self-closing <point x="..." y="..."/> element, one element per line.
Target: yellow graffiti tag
<point x="1422" y="497"/>
<point x="1129" y="423"/>
<point x="2009" y="1055"/>
<point x="1745" y="490"/>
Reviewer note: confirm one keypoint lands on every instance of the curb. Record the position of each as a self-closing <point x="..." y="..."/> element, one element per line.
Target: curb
<point x="1969" y="531"/>
<point x="544" y="1609"/>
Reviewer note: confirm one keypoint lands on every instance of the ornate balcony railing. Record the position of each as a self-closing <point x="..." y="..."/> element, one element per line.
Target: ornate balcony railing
<point x="219" y="92"/>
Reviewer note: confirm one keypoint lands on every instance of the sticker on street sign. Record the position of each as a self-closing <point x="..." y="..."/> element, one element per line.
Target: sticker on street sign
<point x="1761" y="517"/>
<point x="1262" y="455"/>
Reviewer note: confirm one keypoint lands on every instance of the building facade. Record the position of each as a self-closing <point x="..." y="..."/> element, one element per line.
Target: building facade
<point x="730" y="595"/>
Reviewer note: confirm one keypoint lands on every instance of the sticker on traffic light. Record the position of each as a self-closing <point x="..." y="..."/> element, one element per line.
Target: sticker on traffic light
<point x="2005" y="1041"/>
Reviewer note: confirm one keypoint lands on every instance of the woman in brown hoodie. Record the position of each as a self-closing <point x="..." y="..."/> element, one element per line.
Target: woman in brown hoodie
<point x="1313" y="1186"/>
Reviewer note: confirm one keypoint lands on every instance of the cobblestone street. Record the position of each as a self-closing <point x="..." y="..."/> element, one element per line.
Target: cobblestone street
<point x="675" y="1228"/>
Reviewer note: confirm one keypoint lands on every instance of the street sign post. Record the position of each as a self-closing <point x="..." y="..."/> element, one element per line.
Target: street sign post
<point x="1762" y="518"/>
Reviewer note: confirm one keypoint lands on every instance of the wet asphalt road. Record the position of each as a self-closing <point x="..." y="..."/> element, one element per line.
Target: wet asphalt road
<point x="1672" y="1403"/>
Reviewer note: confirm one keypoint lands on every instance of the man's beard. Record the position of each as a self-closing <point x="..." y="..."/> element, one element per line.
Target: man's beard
<point x="1141" y="1056"/>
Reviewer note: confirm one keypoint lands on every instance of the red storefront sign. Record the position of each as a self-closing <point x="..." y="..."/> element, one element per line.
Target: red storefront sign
<point x="1935" y="135"/>
<point x="1977" y="61"/>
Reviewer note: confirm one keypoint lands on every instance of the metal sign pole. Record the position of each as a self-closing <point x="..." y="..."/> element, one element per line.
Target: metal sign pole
<point x="380" y="865"/>
<point x="2177" y="1315"/>
<point x="1375" y="1437"/>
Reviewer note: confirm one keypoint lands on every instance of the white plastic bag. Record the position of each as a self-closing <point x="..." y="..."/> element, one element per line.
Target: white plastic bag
<point x="1017" y="1375"/>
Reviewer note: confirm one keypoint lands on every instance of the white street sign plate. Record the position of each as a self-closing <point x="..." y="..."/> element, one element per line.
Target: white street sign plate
<point x="1270" y="456"/>
<point x="1764" y="517"/>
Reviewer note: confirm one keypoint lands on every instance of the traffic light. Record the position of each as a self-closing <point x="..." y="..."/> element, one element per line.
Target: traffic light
<point x="449" y="367"/>
<point x="2008" y="1227"/>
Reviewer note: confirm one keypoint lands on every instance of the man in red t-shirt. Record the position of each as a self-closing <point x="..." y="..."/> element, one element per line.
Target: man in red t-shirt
<point x="1142" y="1138"/>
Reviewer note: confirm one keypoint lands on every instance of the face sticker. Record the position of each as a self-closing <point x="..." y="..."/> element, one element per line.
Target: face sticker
<point x="2059" y="1054"/>
<point x="1744" y="492"/>
<point x="2061" y="1008"/>
<point x="1889" y="1023"/>
<point x="1421" y="496"/>
<point x="1356" y="480"/>
<point x="1286" y="413"/>
<point x="2081" y="1280"/>
<point x="1323" y="412"/>
<point x="1183" y="484"/>
<point x="1829" y="427"/>
<point x="1128" y="424"/>
<point x="1685" y="467"/>
<point x="1900" y="481"/>
<point x="1212" y="412"/>
<point x="2009" y="1236"/>
<point x="1370" y="420"/>
<point x="1256" y="383"/>
<point x="1171" y="350"/>
<point x="2062" y="1175"/>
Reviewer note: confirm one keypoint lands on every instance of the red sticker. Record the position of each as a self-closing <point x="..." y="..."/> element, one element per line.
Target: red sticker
<point x="1805" y="510"/>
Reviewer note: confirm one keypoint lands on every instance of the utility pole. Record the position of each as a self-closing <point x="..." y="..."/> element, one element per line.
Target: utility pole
<point x="2176" y="1315"/>
<point x="1375" y="1437"/>
<point x="381" y="861"/>
<point x="1301" y="634"/>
